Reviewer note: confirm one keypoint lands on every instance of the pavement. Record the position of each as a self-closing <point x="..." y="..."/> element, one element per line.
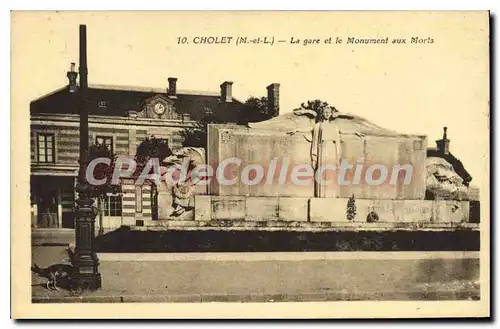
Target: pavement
<point x="52" y="236"/>
<point x="270" y="277"/>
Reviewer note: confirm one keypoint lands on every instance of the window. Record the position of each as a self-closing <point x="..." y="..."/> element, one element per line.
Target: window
<point x="105" y="140"/>
<point x="45" y="148"/>
<point x="112" y="205"/>
<point x="102" y="104"/>
<point x="138" y="199"/>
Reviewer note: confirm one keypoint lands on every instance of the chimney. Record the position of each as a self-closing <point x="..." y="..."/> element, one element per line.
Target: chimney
<point x="226" y="91"/>
<point x="172" y="87"/>
<point x="72" y="75"/>
<point x="273" y="98"/>
<point x="443" y="144"/>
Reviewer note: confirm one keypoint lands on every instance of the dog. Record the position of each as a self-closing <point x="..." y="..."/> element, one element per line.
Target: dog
<point x="58" y="275"/>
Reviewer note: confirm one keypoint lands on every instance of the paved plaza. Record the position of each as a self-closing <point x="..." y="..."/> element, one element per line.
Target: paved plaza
<point x="270" y="277"/>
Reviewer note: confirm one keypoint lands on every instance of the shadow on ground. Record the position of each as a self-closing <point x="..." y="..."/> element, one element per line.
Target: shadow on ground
<point x="126" y="240"/>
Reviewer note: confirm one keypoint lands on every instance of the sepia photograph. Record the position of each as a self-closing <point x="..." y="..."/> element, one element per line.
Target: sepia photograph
<point x="331" y="164"/>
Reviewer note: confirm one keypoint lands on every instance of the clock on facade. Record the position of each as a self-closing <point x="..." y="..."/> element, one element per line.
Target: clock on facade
<point x="159" y="108"/>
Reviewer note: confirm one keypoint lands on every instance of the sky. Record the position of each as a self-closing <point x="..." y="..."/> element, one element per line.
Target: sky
<point x="410" y="88"/>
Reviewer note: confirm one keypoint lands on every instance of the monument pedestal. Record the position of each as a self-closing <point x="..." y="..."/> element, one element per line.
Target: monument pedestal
<point x="333" y="210"/>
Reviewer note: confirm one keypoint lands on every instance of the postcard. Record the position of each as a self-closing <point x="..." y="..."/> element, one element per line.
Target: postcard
<point x="246" y="164"/>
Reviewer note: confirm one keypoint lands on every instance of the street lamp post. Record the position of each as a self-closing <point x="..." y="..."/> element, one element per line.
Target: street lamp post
<point x="86" y="263"/>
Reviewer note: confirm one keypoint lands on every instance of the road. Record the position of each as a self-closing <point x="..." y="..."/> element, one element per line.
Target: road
<point x="277" y="276"/>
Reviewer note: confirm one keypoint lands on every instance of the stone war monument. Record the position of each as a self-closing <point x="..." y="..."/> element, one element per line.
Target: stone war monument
<point x="331" y="168"/>
<point x="301" y="139"/>
<point x="305" y="169"/>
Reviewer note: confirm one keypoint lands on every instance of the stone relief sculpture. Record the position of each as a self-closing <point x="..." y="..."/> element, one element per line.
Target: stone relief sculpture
<point x="183" y="190"/>
<point x="443" y="182"/>
<point x="323" y="131"/>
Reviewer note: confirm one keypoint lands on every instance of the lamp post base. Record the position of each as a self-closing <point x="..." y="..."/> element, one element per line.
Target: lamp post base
<point x="86" y="275"/>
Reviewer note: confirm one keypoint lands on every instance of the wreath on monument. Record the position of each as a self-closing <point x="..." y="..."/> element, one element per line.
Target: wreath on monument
<point x="372" y="217"/>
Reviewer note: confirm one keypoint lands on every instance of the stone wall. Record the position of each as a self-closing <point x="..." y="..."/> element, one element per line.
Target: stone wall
<point x="165" y="202"/>
<point x="296" y="209"/>
<point x="254" y="146"/>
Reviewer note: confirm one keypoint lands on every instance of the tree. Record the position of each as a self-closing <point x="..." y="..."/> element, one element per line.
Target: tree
<point x="316" y="106"/>
<point x="102" y="171"/>
<point x="256" y="109"/>
<point x="151" y="148"/>
<point x="196" y="136"/>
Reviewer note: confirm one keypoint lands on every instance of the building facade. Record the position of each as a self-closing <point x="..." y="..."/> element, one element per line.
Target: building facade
<point x="120" y="118"/>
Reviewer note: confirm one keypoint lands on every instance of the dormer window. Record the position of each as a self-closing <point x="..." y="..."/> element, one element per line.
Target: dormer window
<point x="186" y="117"/>
<point x="102" y="104"/>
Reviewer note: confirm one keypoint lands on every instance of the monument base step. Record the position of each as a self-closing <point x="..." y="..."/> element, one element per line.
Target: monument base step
<point x="161" y="225"/>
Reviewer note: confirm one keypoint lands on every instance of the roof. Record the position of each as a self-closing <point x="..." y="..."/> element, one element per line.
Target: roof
<point x="121" y="99"/>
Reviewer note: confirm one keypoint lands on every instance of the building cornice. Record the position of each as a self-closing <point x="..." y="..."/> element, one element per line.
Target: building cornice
<point x="72" y="120"/>
<point x="38" y="169"/>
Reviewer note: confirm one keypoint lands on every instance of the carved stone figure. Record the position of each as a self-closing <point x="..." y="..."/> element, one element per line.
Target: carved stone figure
<point x="323" y="131"/>
<point x="183" y="190"/>
<point x="442" y="182"/>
